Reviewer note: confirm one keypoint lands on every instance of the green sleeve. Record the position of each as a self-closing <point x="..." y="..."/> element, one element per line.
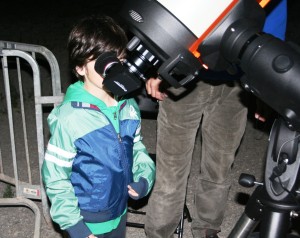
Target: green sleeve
<point x="143" y="165"/>
<point x="56" y="172"/>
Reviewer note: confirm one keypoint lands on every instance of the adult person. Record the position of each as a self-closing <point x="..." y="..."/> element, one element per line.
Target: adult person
<point x="216" y="107"/>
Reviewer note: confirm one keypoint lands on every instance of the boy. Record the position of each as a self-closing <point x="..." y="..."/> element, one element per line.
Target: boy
<point x="95" y="158"/>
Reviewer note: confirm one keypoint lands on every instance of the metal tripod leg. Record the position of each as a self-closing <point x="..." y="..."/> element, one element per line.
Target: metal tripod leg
<point x="249" y="219"/>
<point x="179" y="229"/>
<point x="273" y="216"/>
<point x="185" y="215"/>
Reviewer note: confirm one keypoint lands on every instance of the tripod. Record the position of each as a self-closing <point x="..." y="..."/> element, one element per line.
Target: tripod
<point x="274" y="203"/>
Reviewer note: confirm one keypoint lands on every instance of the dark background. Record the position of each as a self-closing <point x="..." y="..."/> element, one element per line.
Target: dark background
<point x="48" y="23"/>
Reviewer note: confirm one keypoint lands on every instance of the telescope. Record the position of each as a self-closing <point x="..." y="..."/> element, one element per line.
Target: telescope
<point x="177" y="41"/>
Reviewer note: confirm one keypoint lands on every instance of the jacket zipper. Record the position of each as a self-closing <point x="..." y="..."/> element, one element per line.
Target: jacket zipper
<point x="120" y="141"/>
<point x="118" y="134"/>
<point x="119" y="137"/>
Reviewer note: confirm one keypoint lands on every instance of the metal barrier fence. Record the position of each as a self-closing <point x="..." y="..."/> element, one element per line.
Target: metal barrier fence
<point x="27" y="92"/>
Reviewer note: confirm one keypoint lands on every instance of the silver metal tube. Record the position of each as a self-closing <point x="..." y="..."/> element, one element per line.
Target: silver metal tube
<point x="27" y="203"/>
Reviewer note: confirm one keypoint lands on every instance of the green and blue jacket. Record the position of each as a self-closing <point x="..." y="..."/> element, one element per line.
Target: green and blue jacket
<point x="94" y="152"/>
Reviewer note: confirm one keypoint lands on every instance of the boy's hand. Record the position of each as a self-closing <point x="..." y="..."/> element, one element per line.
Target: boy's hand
<point x="92" y="236"/>
<point x="132" y="192"/>
<point x="137" y="190"/>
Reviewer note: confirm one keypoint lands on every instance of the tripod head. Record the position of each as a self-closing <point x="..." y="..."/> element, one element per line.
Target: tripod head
<point x="282" y="162"/>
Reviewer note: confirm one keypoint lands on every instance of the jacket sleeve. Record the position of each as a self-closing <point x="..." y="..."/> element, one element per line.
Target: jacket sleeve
<point x="56" y="171"/>
<point x="276" y="20"/>
<point x="143" y="165"/>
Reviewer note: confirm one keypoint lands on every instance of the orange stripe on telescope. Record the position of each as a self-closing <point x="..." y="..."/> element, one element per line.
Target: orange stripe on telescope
<point x="194" y="46"/>
<point x="263" y="3"/>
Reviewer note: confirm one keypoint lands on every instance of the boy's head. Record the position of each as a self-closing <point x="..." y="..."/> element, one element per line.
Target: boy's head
<point x="93" y="36"/>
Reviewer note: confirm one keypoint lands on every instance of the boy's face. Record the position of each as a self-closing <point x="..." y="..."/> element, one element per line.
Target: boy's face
<point x="91" y="77"/>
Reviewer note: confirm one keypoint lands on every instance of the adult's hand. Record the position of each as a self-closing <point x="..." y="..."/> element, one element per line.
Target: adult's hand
<point x="263" y="111"/>
<point x="152" y="87"/>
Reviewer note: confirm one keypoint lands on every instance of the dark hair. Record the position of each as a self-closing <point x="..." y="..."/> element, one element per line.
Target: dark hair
<point x="93" y="36"/>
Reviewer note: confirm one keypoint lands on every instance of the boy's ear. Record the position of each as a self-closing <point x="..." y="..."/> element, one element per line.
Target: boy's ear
<point x="80" y="70"/>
